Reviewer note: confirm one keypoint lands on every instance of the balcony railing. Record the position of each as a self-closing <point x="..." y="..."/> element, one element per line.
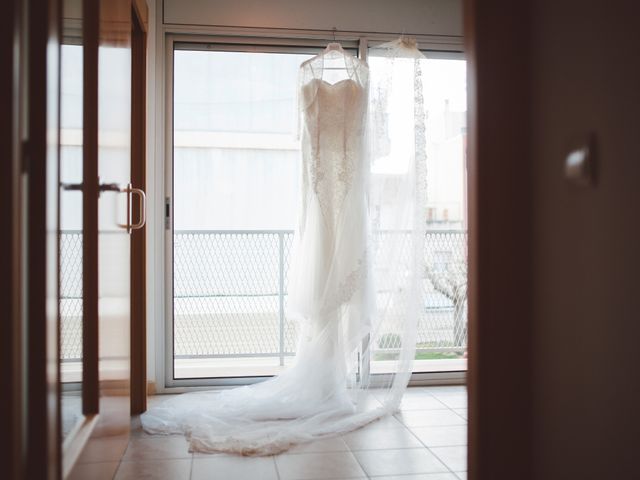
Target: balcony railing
<point x="230" y="294"/>
<point x="71" y="295"/>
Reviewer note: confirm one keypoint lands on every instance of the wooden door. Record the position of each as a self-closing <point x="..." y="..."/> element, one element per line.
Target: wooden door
<point x="11" y="304"/>
<point x="114" y="217"/>
<point x="39" y="208"/>
<point x="139" y="22"/>
<point x="33" y="186"/>
<point x="29" y="413"/>
<point x="71" y="230"/>
<point x="107" y="220"/>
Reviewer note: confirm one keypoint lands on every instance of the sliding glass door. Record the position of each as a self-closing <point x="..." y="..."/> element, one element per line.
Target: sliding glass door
<point x="232" y="203"/>
<point x="235" y="196"/>
<point x="442" y="327"/>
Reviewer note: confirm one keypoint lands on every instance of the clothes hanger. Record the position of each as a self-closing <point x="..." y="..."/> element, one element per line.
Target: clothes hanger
<point x="405" y="41"/>
<point x="334" y="46"/>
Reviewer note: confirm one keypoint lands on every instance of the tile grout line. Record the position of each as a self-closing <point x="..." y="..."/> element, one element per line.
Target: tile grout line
<point x="355" y="457"/>
<point x="442" y="461"/>
<point x="433" y="453"/>
<point x="437" y="425"/>
<point x="276" y="466"/>
<point x="446" y="407"/>
<point x="465" y="419"/>
<point x="438" y="400"/>
<point x="115" y="474"/>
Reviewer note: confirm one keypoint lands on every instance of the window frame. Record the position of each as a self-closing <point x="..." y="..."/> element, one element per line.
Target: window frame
<point x="301" y="42"/>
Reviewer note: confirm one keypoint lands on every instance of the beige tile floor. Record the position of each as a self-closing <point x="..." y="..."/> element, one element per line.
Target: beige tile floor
<point x="426" y="440"/>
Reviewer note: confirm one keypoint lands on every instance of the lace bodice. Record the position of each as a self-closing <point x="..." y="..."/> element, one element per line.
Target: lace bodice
<point x="333" y="97"/>
<point x="332" y="140"/>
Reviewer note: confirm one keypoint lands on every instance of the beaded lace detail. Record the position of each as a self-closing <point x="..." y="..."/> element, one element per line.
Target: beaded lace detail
<point x="351" y="283"/>
<point x="334" y="164"/>
<point x="334" y="130"/>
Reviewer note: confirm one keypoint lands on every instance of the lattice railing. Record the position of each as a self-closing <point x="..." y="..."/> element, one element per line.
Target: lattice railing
<point x="230" y="294"/>
<point x="71" y="295"/>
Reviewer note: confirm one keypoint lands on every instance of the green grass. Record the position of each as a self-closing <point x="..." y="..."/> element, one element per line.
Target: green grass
<point x="421" y="356"/>
<point x="438" y="355"/>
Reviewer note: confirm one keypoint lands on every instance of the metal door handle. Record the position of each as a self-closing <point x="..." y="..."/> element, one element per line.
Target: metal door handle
<point x="142" y="202"/>
<point x="142" y="207"/>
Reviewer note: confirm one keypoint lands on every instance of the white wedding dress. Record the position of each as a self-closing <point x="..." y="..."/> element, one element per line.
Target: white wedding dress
<point x="343" y="318"/>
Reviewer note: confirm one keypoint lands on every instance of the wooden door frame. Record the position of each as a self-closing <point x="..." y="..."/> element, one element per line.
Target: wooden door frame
<point x="139" y="24"/>
<point x="90" y="376"/>
<point x="43" y="434"/>
<point x="499" y="166"/>
<point x="106" y="25"/>
<point x="74" y="443"/>
<point x="11" y="251"/>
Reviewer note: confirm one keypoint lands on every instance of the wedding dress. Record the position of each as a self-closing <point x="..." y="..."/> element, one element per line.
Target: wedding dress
<point x="354" y="285"/>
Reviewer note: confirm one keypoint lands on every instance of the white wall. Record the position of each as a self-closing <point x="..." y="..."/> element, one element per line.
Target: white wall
<point x="433" y="17"/>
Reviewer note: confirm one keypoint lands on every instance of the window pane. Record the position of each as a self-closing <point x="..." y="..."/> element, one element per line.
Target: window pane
<point x="442" y="337"/>
<point x="236" y="153"/>
<point x="236" y="195"/>
<point x="70" y="205"/>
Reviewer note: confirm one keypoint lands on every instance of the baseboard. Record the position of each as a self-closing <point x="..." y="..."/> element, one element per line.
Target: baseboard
<point x="151" y="388"/>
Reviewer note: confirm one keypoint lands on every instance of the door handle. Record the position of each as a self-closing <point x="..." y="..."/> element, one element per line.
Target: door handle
<point x="130" y="191"/>
<point x="70" y="187"/>
<point x="110" y="187"/>
<point x="142" y="207"/>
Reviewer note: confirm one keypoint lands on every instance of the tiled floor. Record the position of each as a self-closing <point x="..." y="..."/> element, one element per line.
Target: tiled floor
<point x="426" y="440"/>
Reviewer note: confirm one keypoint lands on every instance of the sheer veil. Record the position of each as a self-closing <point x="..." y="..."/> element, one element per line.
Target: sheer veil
<point x="357" y="297"/>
